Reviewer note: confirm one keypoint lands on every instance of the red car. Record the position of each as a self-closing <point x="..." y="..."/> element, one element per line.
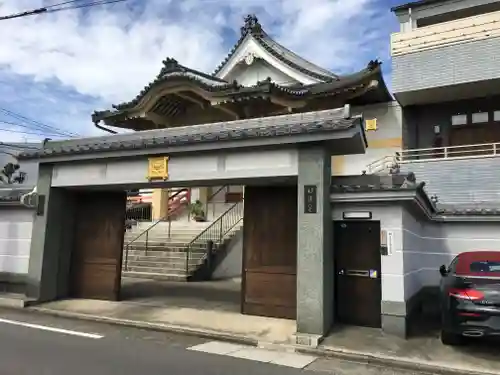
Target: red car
<point x="470" y="296"/>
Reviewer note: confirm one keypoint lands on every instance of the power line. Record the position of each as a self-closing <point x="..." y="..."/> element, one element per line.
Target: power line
<point x="35" y="125"/>
<point x="67" y="5"/>
<point x="29" y="128"/>
<point x="17" y="146"/>
<point x="24" y="132"/>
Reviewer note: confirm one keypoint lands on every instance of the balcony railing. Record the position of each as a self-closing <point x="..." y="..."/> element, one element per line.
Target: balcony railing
<point x="434" y="154"/>
<point x="464" y="30"/>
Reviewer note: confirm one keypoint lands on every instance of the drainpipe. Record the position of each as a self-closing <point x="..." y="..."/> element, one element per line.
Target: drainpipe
<point x="105" y="129"/>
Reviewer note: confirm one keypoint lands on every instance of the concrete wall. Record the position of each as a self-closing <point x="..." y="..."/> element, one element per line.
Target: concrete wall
<point x="29" y="167"/>
<point x="182" y="169"/>
<point x="467" y="182"/>
<point x="391" y="219"/>
<point x="386" y="140"/>
<point x="15" y="237"/>
<point x="446" y="66"/>
<point x="231" y="265"/>
<point x="428" y="245"/>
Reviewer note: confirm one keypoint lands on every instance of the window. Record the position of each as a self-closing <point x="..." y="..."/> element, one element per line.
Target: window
<point x="479" y="117"/>
<point x="485" y="267"/>
<point x="496" y="116"/>
<point x="453" y="266"/>
<point x="459" y="120"/>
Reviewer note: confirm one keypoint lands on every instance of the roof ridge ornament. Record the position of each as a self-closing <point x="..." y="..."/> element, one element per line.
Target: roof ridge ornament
<point x="251" y="26"/>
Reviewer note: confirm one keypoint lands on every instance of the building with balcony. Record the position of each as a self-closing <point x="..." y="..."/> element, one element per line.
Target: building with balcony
<point x="445" y="76"/>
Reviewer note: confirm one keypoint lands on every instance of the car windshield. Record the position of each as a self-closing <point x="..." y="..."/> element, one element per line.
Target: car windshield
<point x="485" y="266"/>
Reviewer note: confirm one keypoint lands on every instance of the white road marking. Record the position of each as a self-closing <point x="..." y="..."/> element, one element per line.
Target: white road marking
<point x="295" y="360"/>
<point x="52" y="329"/>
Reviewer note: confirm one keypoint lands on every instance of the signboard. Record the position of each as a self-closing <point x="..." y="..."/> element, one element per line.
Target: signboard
<point x="310" y="199"/>
<point x="390" y="242"/>
<point x="371" y="124"/>
<point x="158" y="168"/>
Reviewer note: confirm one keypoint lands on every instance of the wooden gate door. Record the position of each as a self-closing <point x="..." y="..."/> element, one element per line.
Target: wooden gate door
<point x="97" y="254"/>
<point x="270" y="252"/>
<point x="357" y="269"/>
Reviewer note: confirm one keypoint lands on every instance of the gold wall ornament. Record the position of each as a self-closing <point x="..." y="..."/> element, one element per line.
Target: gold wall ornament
<point x="371" y="124"/>
<point x="158" y="168"/>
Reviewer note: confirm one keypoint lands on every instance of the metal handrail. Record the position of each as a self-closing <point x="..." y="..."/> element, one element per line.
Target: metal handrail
<point x="216" y="231"/>
<point x="213" y="204"/>
<point x="146" y="231"/>
<point x="473" y="151"/>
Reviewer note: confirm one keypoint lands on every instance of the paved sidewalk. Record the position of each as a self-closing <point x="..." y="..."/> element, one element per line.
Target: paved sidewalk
<point x="215" y="324"/>
<point x="422" y="353"/>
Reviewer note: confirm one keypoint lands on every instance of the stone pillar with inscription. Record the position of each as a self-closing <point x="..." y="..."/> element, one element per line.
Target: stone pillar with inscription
<point x="314" y="247"/>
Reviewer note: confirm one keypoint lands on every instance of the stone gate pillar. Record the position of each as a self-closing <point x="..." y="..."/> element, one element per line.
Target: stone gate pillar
<point x="314" y="246"/>
<point x="51" y="240"/>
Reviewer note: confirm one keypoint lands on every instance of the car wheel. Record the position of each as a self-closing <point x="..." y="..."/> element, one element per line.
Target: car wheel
<point x="451" y="339"/>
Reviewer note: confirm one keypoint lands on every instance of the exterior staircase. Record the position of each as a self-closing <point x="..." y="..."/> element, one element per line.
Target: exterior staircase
<point x="179" y="249"/>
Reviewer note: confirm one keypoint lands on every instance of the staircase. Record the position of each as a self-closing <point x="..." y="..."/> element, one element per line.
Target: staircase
<point x="178" y="250"/>
<point x="460" y="175"/>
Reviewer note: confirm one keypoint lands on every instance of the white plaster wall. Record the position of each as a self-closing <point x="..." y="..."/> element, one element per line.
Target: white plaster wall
<point x="214" y="166"/>
<point x="390" y="217"/>
<point x="428" y="245"/>
<point x="249" y="75"/>
<point x="389" y="129"/>
<point x="15" y="239"/>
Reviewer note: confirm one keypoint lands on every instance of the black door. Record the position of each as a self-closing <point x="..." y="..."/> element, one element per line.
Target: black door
<point x="357" y="269"/>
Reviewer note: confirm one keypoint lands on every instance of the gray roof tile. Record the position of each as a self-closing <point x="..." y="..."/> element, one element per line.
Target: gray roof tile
<point x="267" y="127"/>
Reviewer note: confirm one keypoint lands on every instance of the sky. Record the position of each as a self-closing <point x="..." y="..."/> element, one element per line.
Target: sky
<point x="58" y="68"/>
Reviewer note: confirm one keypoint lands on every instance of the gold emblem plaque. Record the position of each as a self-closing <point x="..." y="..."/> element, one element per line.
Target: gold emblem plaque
<point x="158" y="168"/>
<point x="371" y="124"/>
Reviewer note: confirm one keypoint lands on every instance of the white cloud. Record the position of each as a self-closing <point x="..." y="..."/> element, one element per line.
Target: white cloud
<point x="110" y="53"/>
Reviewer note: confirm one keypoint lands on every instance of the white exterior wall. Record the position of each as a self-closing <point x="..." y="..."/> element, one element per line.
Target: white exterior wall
<point x="384" y="141"/>
<point x="15" y="239"/>
<point x="428" y="245"/>
<point x="249" y="75"/>
<point x="223" y="166"/>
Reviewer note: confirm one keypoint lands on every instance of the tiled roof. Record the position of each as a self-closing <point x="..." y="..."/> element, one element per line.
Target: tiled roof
<point x="9" y="195"/>
<point x="253" y="29"/>
<point x="265" y="127"/>
<point x="468" y="210"/>
<point x="233" y="91"/>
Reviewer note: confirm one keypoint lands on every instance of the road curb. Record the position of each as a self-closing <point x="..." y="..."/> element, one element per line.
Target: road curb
<point x="381" y="360"/>
<point x="373" y="359"/>
<point x="198" y="332"/>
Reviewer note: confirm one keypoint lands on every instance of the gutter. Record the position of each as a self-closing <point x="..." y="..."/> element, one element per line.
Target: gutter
<point x="105" y="129"/>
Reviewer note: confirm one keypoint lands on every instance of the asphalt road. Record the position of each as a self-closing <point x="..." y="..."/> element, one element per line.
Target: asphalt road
<point x="35" y="344"/>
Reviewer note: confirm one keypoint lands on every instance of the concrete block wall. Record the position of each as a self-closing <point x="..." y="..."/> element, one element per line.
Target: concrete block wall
<point x="460" y="181"/>
<point x="446" y="66"/>
<point x="15" y="238"/>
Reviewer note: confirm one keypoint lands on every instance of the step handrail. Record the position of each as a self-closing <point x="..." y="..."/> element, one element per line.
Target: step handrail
<point x="216" y="231"/>
<point x="211" y="197"/>
<point x="168" y="216"/>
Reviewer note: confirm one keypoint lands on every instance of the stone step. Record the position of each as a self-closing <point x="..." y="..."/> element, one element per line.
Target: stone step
<point x="172" y="257"/>
<point x="160" y="267"/>
<point x="174" y="236"/>
<point x="162" y="252"/>
<point x="152" y="249"/>
<point x="159" y="271"/>
<point x="154" y="276"/>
